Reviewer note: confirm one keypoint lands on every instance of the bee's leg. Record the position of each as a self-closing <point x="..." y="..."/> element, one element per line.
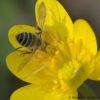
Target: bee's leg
<point x="18" y="49"/>
<point x="27" y="52"/>
<point x="23" y="52"/>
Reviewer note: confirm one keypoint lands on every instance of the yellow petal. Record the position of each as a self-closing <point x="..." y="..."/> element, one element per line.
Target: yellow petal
<point x="38" y="93"/>
<point x="28" y="93"/>
<point x="74" y="74"/>
<point x="17" y="29"/>
<point x="53" y="19"/>
<point x="96" y="68"/>
<point x="32" y="68"/>
<point x="83" y="32"/>
<point x="80" y="76"/>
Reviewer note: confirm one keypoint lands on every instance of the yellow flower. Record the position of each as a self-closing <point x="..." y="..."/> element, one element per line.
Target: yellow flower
<point x="65" y="58"/>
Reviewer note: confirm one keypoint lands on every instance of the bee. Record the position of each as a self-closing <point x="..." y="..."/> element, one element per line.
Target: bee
<point x="32" y="59"/>
<point x="30" y="40"/>
<point x="33" y="40"/>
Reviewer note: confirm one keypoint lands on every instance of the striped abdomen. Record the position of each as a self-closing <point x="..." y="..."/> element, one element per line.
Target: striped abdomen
<point x="28" y="39"/>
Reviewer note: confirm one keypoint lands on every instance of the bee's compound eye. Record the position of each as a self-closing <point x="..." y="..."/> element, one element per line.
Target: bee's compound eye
<point x="39" y="42"/>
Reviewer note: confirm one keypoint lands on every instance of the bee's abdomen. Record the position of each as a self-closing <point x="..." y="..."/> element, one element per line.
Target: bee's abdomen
<point x="26" y="39"/>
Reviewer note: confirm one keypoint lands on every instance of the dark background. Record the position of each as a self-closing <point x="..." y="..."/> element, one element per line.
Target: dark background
<point x="22" y="12"/>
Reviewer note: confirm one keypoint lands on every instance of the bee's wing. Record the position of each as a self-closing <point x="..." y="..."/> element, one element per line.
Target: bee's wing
<point x="51" y="13"/>
<point x="41" y="15"/>
<point x="32" y="68"/>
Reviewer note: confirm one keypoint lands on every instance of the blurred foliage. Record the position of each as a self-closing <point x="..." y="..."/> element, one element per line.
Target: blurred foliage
<point x="14" y="12"/>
